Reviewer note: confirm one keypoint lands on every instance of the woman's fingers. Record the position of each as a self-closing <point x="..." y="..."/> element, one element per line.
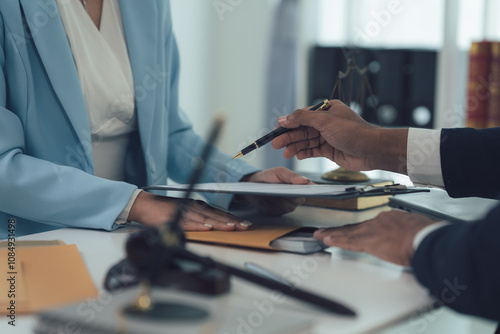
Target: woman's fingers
<point x="201" y="216"/>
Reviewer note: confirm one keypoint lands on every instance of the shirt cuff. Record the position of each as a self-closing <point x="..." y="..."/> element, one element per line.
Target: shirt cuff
<point x="424" y="157"/>
<point x="420" y="236"/>
<point x="122" y="218"/>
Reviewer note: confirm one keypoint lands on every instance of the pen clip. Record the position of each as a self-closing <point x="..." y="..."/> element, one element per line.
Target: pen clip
<point x="325" y="105"/>
<point x="321" y="106"/>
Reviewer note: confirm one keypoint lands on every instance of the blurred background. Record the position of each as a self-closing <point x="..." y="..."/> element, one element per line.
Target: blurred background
<point x="256" y="60"/>
<point x="260" y="59"/>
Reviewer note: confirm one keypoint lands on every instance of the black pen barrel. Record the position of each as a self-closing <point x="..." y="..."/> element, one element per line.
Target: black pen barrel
<point x="279" y="131"/>
<point x="275" y="133"/>
<point x="270" y="136"/>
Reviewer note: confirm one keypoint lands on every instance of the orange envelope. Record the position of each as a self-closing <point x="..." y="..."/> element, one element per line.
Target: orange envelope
<point x="39" y="278"/>
<point x="256" y="237"/>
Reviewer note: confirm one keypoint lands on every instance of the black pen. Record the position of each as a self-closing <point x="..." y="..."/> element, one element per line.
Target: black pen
<point x="256" y="269"/>
<point x="325" y="104"/>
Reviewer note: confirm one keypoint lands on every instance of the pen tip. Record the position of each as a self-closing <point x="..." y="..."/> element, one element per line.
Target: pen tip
<point x="239" y="154"/>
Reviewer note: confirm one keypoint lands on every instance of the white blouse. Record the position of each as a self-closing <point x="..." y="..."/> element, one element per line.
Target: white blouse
<point x="103" y="65"/>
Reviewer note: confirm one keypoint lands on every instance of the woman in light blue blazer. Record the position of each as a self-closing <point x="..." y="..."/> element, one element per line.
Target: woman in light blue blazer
<point x="46" y="163"/>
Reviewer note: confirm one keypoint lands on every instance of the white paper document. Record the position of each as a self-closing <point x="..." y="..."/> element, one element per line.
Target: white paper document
<point x="267" y="189"/>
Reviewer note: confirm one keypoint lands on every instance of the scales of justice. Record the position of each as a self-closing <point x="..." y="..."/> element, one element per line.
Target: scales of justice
<point x="341" y="174"/>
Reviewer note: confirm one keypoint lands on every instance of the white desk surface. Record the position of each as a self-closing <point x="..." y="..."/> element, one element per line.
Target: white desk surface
<point x="381" y="294"/>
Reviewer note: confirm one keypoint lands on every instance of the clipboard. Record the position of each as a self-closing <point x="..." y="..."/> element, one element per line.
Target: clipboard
<point x="293" y="190"/>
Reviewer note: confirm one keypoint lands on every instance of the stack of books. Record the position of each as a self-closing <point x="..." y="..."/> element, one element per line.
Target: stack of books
<point x="352" y="204"/>
<point x="483" y="85"/>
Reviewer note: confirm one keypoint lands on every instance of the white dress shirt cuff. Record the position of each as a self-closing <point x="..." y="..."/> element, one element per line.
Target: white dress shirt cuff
<point x="122" y="218"/>
<point x="424" y="157"/>
<point x="425" y="232"/>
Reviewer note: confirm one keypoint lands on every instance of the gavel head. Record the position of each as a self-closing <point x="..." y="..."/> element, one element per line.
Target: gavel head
<point x="143" y="246"/>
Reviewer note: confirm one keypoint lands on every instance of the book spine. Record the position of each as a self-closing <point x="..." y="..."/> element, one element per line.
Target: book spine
<point x="477" y="85"/>
<point x="493" y="116"/>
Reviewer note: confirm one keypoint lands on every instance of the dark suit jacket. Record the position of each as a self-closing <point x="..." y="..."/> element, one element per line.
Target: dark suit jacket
<point x="460" y="263"/>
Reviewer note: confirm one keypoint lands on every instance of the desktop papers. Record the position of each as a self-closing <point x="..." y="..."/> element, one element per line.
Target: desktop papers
<point x="294" y="190"/>
<point x="267" y="189"/>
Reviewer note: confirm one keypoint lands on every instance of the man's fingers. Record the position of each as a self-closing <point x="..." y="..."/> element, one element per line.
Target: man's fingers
<point x="308" y="117"/>
<point x="292" y="149"/>
<point x="314" y="119"/>
<point x="309" y="153"/>
<point x="350" y="237"/>
<point x="388" y="236"/>
<point x="292" y="120"/>
<point x="324" y="231"/>
<point x="294" y="136"/>
<point x="345" y="242"/>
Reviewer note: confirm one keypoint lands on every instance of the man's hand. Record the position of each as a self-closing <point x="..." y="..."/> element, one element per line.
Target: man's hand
<point x="388" y="236"/>
<point x="342" y="136"/>
<point x="275" y="206"/>
<point x="154" y="210"/>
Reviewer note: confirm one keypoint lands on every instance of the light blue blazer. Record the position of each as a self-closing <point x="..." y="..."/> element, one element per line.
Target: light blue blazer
<point x="46" y="166"/>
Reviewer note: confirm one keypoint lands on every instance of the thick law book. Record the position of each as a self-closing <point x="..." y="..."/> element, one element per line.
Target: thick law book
<point x="352" y="204"/>
<point x="493" y="114"/>
<point x="478" y="84"/>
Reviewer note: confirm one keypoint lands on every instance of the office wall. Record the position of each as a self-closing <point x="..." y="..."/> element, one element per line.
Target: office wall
<point x="191" y="22"/>
<point x="224" y="56"/>
<point x="224" y="52"/>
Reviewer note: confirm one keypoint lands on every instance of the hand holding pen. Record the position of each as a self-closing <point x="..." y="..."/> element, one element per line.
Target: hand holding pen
<point x="325" y="104"/>
<point x="341" y="135"/>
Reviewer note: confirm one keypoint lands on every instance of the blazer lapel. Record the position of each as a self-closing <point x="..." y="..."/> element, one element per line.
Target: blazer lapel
<point x="140" y="26"/>
<point x="53" y="47"/>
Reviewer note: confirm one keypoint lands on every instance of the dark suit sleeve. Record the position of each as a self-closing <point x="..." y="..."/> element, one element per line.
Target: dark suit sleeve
<point x="470" y="162"/>
<point x="460" y="265"/>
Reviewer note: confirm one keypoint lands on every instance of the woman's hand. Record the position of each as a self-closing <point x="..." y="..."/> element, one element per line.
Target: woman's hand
<point x="271" y="205"/>
<point x="153" y="210"/>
